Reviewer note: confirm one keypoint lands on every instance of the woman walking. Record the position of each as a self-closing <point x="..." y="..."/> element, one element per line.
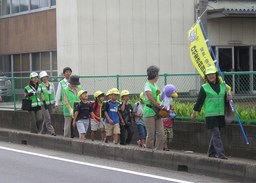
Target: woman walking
<point x="213" y="96"/>
<point x="154" y="125"/>
<point x="35" y="111"/>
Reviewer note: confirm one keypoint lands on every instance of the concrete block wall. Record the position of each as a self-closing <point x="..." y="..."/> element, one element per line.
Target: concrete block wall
<point x="188" y="136"/>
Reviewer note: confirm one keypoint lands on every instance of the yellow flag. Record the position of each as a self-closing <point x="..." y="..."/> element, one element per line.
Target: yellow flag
<point x="199" y="52"/>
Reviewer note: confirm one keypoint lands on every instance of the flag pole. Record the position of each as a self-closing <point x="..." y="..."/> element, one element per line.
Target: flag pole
<point x="222" y="76"/>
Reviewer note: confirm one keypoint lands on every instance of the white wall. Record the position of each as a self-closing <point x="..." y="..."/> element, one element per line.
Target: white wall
<point x="106" y="37"/>
<point x="222" y="31"/>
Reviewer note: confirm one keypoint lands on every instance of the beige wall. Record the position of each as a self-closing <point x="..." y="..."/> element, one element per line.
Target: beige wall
<point x="106" y="37"/>
<point x="222" y="31"/>
<point x="34" y="32"/>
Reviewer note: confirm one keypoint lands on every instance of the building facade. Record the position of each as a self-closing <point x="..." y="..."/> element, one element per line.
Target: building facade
<point x="109" y="37"/>
<point x="28" y="37"/>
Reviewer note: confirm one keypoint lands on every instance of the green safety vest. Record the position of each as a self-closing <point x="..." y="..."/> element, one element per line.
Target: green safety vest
<point x="34" y="98"/>
<point x="214" y="104"/>
<point x="48" y="94"/>
<point x="148" y="111"/>
<point x="63" y="85"/>
<point x="72" y="98"/>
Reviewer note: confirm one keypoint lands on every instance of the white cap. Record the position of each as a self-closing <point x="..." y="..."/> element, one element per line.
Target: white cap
<point x="43" y="74"/>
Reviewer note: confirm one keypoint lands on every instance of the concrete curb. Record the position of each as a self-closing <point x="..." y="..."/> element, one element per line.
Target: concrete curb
<point x="173" y="160"/>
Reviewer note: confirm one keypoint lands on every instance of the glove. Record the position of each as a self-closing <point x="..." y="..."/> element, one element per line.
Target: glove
<point x="45" y="106"/>
<point x="71" y="112"/>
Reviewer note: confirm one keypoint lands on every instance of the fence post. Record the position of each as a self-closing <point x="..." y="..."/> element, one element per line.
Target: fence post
<point x="117" y="81"/>
<point x="165" y="79"/>
<point x="14" y="93"/>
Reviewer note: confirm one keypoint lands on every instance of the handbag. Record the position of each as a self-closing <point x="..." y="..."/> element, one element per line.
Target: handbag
<point x="160" y="113"/>
<point x="26" y="104"/>
<point x="228" y="113"/>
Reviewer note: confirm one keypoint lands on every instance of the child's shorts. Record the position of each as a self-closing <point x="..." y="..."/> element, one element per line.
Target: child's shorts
<point x="112" y="129"/>
<point x="95" y="125"/>
<point x="82" y="125"/>
<point x="142" y="131"/>
<point x="168" y="135"/>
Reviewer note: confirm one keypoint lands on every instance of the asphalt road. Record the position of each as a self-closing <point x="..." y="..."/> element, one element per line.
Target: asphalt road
<point x="26" y="164"/>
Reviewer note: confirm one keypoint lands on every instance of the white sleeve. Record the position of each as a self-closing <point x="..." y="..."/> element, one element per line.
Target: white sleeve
<point x="147" y="88"/>
<point x="58" y="95"/>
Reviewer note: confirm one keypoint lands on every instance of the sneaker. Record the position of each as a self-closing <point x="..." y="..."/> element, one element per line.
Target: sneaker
<point x="166" y="149"/>
<point x="53" y="134"/>
<point x="138" y="142"/>
<point x="212" y="156"/>
<point x="221" y="156"/>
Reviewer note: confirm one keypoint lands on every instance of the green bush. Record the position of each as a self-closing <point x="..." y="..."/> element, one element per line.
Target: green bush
<point x="183" y="111"/>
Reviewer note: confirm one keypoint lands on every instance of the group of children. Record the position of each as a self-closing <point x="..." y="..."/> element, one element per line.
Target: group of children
<point x="114" y="119"/>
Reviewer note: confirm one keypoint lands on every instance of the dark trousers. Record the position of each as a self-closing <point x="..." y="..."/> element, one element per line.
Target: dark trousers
<point x="215" y="145"/>
<point x="123" y="139"/>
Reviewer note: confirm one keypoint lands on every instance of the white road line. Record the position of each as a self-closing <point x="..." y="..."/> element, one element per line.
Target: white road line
<point x="96" y="166"/>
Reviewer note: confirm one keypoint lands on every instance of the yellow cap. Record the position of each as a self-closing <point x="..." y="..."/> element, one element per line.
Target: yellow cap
<point x="81" y="92"/>
<point x="97" y="93"/>
<point x="124" y="92"/>
<point x="210" y="70"/>
<point x="141" y="95"/>
<point x="114" y="91"/>
<point x="108" y="93"/>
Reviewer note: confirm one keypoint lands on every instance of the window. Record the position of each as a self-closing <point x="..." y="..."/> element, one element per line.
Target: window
<point x="25" y="62"/>
<point x="28" y="62"/>
<point x="5" y="65"/>
<point x="45" y="61"/>
<point x="36" y="65"/>
<point x="8" y="7"/>
<point x="15" y="6"/>
<point x="5" y="7"/>
<point x="53" y="2"/>
<point x="34" y="4"/>
<point x="54" y="60"/>
<point x="43" y="3"/>
<point x="54" y="63"/>
<point x="23" y="5"/>
<point x="16" y="63"/>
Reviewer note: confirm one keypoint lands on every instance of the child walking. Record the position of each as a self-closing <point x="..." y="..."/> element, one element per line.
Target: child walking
<point x="82" y="114"/>
<point x="111" y="116"/>
<point x="168" y="130"/>
<point x="126" y="118"/>
<point x="138" y="116"/>
<point x="98" y="122"/>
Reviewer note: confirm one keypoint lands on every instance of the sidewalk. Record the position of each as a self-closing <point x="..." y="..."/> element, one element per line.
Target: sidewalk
<point x="239" y="169"/>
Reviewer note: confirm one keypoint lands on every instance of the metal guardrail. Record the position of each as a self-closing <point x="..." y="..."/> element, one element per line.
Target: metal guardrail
<point x="243" y="87"/>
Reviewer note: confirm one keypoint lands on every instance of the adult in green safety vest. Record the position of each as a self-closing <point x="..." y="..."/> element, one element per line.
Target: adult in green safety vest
<point x="154" y="125"/>
<point x="70" y="97"/>
<point x="67" y="71"/>
<point x="47" y="91"/>
<point x="213" y="97"/>
<point x="35" y="112"/>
